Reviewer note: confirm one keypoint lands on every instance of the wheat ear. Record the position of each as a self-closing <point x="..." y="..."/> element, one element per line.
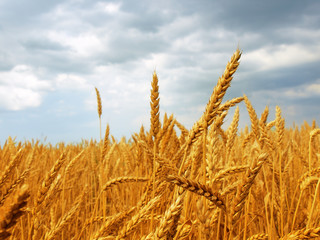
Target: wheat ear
<point x="136" y="219"/>
<point x="73" y="162"/>
<point x="162" y="161"/>
<point x="215" y="100"/>
<point x="113" y="223"/>
<point x="11" y="212"/>
<point x="166" y="123"/>
<point x="305" y="233"/>
<point x="12" y="164"/>
<point x="308" y="174"/>
<point x="260" y="236"/>
<point x="228" y="104"/>
<point x="119" y="180"/>
<point x="154" y="104"/>
<point x="221" y="88"/>
<point x="105" y="143"/>
<point x="198" y="188"/>
<point x="253" y="117"/>
<point x="154" y="128"/>
<point x="184" y="231"/>
<point x="212" y="108"/>
<point x="14" y="185"/>
<point x="99" y="108"/>
<point x="168" y="222"/>
<point x="264" y="116"/>
<point x="313" y="134"/>
<point x="243" y="189"/>
<point x="49" y="179"/>
<point x="232" y="131"/>
<point x="229" y="171"/>
<point x="67" y="218"/>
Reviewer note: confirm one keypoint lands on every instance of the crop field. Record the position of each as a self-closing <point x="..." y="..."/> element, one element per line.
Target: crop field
<point x="209" y="182"/>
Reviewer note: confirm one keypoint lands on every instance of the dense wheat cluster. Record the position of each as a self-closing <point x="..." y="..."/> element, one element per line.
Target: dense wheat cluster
<point x="261" y="182"/>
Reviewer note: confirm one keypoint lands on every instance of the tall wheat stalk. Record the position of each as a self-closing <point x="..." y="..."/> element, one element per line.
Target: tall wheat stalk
<point x="154" y="129"/>
<point x="99" y="109"/>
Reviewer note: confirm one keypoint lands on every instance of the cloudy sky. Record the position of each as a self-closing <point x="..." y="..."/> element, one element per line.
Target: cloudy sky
<point x="53" y="54"/>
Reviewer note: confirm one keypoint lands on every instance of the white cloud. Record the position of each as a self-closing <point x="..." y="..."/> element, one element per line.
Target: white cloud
<point x="85" y="44"/>
<point x="111" y="8"/>
<point x="23" y="76"/>
<point x="71" y="81"/>
<point x="20" y="88"/>
<point x="16" y="98"/>
<point x="280" y="56"/>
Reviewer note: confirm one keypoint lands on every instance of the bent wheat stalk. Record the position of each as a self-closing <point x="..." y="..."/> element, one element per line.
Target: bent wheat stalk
<point x="197" y="188"/>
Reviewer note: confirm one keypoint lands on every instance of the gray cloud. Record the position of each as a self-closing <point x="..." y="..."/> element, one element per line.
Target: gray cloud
<point x="267" y="15"/>
<point x="42" y="45"/>
<point x="284" y="78"/>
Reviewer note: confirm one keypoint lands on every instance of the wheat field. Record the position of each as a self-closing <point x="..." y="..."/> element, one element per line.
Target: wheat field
<point x="261" y="182"/>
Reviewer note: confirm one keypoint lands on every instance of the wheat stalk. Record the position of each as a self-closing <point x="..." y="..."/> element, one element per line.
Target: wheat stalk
<point x="197" y="188"/>
<point x="99" y="108"/>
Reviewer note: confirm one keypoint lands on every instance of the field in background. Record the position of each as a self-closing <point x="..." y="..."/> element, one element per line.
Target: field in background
<point x="261" y="182"/>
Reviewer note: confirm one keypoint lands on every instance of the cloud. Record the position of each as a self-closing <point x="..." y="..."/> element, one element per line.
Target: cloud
<point x="20" y="88"/>
<point x="108" y="7"/>
<point x="71" y="82"/>
<point x="84" y="45"/>
<point x="264" y="17"/>
<point x="314" y="88"/>
<point x="304" y="91"/>
<point x="281" y="56"/>
<point x="42" y="44"/>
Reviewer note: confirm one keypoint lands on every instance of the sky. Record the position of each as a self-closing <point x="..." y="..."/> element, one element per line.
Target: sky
<point x="53" y="54"/>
